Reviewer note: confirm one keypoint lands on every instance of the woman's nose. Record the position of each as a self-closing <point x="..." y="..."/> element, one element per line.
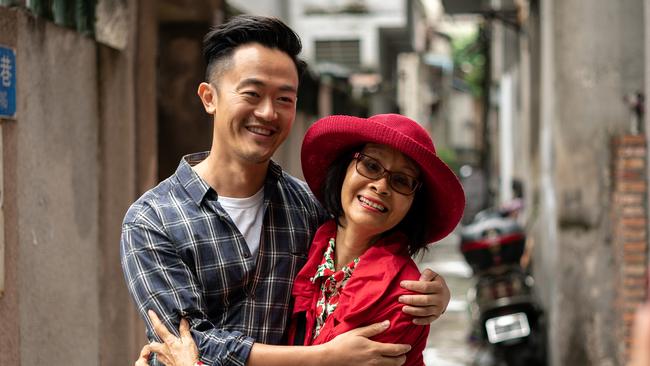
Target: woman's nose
<point x="381" y="185"/>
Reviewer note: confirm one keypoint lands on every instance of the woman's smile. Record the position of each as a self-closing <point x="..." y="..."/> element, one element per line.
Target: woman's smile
<point x="372" y="204"/>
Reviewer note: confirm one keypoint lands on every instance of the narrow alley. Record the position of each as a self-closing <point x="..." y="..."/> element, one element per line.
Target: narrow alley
<point x="447" y="344"/>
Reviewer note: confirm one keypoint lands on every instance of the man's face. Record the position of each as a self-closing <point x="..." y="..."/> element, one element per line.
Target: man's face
<point x="254" y="103"/>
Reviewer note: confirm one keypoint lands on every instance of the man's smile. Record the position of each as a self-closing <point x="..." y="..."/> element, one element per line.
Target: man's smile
<point x="260" y="130"/>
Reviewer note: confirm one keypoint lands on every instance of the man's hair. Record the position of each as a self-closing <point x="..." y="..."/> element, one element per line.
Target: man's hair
<point x="412" y="225"/>
<point x="222" y="40"/>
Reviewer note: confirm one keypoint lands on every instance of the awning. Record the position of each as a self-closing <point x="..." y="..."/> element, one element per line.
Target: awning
<point x="453" y="7"/>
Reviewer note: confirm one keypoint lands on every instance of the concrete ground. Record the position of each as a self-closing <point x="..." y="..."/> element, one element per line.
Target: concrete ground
<point x="447" y="344"/>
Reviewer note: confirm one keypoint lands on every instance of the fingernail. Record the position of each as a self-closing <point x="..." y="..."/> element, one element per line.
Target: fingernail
<point x="403" y="283"/>
<point x="400" y="299"/>
<point x="385" y="323"/>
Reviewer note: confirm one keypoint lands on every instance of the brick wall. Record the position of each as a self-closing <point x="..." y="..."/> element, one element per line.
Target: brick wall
<point x="629" y="219"/>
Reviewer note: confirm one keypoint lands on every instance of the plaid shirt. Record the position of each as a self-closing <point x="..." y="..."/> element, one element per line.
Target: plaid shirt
<point x="182" y="256"/>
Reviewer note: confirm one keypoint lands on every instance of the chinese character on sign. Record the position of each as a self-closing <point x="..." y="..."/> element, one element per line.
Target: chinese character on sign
<point x="7" y="82"/>
<point x="6" y="68"/>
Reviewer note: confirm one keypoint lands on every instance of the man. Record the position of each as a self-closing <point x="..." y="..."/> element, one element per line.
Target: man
<point x="221" y="240"/>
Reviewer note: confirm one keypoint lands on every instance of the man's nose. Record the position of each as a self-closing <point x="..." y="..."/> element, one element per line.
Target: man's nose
<point x="266" y="110"/>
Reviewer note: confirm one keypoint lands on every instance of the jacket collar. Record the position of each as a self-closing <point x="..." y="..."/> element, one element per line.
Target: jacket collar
<point x="377" y="265"/>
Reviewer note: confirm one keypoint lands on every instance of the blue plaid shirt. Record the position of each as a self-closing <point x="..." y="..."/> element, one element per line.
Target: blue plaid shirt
<point x="182" y="256"/>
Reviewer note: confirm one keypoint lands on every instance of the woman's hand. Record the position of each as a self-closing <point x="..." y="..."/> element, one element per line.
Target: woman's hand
<point x="143" y="360"/>
<point x="432" y="301"/>
<point x="173" y="351"/>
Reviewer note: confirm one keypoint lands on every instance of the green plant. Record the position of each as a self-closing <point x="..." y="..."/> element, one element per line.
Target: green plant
<point x="468" y="53"/>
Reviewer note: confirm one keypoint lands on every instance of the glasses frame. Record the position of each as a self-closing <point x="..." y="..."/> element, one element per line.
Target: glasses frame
<point x="358" y="156"/>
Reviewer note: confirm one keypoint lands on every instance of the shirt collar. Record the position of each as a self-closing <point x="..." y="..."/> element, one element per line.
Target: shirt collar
<point x="327" y="268"/>
<point x="197" y="188"/>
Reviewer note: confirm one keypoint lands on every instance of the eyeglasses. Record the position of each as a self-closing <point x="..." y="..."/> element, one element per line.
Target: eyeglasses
<point x="372" y="169"/>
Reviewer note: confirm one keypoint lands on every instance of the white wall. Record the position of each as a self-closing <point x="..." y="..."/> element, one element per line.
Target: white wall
<point x="347" y="27"/>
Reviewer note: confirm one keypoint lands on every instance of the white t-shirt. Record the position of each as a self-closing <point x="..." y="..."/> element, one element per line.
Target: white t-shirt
<point x="247" y="215"/>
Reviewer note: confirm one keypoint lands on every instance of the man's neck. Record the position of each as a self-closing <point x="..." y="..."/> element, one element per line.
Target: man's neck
<point x="231" y="178"/>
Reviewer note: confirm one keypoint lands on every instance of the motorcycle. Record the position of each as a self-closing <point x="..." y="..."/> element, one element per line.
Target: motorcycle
<point x="508" y="321"/>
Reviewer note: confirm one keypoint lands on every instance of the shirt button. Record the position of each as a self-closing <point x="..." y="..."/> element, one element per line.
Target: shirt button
<point x="247" y="255"/>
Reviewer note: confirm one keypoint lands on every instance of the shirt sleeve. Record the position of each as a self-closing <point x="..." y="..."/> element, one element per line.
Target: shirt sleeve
<point x="159" y="280"/>
<point x="402" y="329"/>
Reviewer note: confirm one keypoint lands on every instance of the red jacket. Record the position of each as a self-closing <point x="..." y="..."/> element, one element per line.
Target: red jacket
<point x="369" y="296"/>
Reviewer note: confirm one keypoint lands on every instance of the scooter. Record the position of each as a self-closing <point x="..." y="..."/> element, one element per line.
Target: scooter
<point x="508" y="321"/>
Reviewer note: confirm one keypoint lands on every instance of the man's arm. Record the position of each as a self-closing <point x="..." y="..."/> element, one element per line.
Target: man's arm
<point x="159" y="280"/>
<point x="351" y="348"/>
<point x="432" y="301"/>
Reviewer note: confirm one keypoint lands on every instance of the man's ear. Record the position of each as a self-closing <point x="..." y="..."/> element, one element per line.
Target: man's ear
<point x="208" y="95"/>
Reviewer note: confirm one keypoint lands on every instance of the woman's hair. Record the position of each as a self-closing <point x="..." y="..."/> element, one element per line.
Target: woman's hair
<point x="412" y="225"/>
<point x="222" y="40"/>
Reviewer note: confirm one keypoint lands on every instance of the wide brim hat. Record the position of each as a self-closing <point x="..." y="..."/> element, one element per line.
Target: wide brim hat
<point x="332" y="136"/>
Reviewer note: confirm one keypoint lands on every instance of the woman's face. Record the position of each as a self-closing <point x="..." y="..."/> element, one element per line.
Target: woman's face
<point x="373" y="206"/>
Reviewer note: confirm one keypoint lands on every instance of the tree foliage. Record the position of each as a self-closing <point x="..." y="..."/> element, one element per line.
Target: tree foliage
<point x="468" y="53"/>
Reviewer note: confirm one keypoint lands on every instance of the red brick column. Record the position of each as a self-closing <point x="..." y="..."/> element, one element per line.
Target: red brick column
<point x="630" y="223"/>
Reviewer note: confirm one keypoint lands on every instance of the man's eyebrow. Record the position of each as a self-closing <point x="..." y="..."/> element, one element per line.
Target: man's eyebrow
<point x="289" y="88"/>
<point x="248" y="82"/>
<point x="259" y="83"/>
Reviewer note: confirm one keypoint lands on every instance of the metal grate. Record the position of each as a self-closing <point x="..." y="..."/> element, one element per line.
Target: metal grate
<point x="342" y="52"/>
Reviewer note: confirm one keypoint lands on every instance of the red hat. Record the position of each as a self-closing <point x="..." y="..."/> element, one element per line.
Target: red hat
<point x="333" y="135"/>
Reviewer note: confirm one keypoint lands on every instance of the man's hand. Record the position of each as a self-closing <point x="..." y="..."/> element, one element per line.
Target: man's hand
<point x="432" y="301"/>
<point x="354" y="348"/>
<point x="174" y="351"/>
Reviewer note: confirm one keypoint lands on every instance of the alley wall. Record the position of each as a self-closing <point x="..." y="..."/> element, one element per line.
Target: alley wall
<point x="587" y="68"/>
<point x="70" y="173"/>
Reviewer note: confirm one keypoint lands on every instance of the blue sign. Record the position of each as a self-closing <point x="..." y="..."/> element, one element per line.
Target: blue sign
<point x="7" y="82"/>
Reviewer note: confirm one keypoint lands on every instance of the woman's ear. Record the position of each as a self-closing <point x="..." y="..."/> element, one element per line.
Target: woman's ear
<point x="208" y="95"/>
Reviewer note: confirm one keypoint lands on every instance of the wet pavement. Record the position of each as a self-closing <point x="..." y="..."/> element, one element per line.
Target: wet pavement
<point x="447" y="344"/>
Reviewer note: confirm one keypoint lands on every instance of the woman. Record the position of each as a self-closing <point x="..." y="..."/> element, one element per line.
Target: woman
<point x="389" y="196"/>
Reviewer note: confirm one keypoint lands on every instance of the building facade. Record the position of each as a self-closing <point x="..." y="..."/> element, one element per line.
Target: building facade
<point x="561" y="75"/>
